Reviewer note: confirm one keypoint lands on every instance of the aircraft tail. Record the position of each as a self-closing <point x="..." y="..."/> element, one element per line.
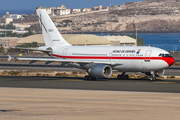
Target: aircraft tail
<point x="51" y="35"/>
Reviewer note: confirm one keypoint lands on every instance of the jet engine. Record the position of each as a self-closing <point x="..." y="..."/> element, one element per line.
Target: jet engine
<point x="101" y="71"/>
<point x="158" y="73"/>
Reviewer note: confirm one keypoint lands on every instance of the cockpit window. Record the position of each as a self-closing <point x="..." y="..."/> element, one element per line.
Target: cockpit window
<point x="160" y="55"/>
<point x="165" y="55"/>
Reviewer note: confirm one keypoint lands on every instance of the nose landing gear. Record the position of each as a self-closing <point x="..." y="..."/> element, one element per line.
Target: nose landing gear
<point x="153" y="76"/>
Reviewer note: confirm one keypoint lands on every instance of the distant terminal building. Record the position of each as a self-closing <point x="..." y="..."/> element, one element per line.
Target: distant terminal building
<point x="85" y="39"/>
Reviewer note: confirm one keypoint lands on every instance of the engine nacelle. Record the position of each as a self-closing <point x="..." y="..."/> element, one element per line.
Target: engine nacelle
<point x="158" y="73"/>
<point x="101" y="71"/>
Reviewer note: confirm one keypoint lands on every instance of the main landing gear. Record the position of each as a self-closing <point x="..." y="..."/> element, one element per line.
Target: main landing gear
<point x="89" y="77"/>
<point x="123" y="76"/>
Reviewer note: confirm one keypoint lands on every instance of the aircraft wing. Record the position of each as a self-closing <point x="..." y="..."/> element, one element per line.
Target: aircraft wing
<point x="31" y="49"/>
<point x="65" y="60"/>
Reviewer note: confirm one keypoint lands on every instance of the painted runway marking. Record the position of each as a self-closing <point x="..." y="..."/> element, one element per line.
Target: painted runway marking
<point x="62" y="80"/>
<point x="13" y="117"/>
<point x="165" y="82"/>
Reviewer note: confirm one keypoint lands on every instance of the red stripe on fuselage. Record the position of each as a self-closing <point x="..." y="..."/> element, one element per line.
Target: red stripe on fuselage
<point x="168" y="60"/>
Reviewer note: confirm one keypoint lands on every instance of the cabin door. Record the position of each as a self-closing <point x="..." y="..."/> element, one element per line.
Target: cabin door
<point x="64" y="53"/>
<point x="147" y="56"/>
<point x="110" y="56"/>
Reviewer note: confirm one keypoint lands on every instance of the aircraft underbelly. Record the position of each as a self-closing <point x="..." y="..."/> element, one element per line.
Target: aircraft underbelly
<point x="141" y="66"/>
<point x="129" y="65"/>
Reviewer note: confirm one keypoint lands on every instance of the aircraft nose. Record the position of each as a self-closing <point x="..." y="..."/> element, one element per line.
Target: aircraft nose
<point x="170" y="61"/>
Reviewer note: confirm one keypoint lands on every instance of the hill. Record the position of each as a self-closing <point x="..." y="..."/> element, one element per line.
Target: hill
<point x="147" y="16"/>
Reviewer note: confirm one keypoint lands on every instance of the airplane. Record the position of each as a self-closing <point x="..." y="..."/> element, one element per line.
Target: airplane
<point x="99" y="61"/>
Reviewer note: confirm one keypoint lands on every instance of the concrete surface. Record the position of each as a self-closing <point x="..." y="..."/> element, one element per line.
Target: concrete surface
<point x="59" y="104"/>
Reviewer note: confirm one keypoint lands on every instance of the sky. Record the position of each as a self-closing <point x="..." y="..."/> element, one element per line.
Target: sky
<point x="70" y="4"/>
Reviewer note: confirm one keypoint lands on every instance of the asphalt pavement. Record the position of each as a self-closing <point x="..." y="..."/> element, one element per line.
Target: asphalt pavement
<point x="136" y="85"/>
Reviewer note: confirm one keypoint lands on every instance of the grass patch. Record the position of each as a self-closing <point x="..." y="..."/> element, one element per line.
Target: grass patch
<point x="62" y="75"/>
<point x="33" y="70"/>
<point x="48" y="71"/>
<point x="74" y="73"/>
<point x="14" y="73"/>
<point x="38" y="74"/>
<point x="171" y="77"/>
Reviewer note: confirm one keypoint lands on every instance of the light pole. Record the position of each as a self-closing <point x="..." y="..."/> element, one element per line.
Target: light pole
<point x="136" y="33"/>
<point x="110" y="6"/>
<point x="136" y="27"/>
<point x="5" y="35"/>
<point x="101" y="31"/>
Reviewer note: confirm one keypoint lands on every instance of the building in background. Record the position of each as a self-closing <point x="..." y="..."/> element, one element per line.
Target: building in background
<point x="8" y="42"/>
<point x="121" y="40"/>
<point x="2" y="31"/>
<point x="13" y="16"/>
<point x="85" y="39"/>
<point x="65" y="12"/>
<point x="86" y="10"/>
<point x="73" y="11"/>
<point x="97" y="7"/>
<point x="8" y="20"/>
<point x="62" y="10"/>
<point x="53" y="10"/>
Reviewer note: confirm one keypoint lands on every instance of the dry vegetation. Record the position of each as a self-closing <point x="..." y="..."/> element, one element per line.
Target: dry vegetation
<point x="35" y="72"/>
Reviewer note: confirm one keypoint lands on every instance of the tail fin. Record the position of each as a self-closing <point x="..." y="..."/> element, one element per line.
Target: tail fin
<point x="51" y="35"/>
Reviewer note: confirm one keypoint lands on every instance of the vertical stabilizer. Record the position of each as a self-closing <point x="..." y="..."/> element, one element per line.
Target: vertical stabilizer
<point x="51" y="35"/>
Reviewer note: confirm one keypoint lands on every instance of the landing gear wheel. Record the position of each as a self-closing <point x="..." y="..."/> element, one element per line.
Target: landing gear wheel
<point x="121" y="77"/>
<point x="152" y="79"/>
<point x="126" y="77"/>
<point x="89" y="77"/>
<point x="86" y="77"/>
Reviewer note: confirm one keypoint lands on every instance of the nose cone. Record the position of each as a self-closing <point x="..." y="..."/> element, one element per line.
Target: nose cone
<point x="170" y="61"/>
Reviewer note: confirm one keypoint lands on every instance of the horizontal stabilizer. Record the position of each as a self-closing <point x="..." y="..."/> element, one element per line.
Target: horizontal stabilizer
<point x="33" y="49"/>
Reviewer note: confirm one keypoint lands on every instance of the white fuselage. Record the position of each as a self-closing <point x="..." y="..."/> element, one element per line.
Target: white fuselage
<point x="130" y="59"/>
